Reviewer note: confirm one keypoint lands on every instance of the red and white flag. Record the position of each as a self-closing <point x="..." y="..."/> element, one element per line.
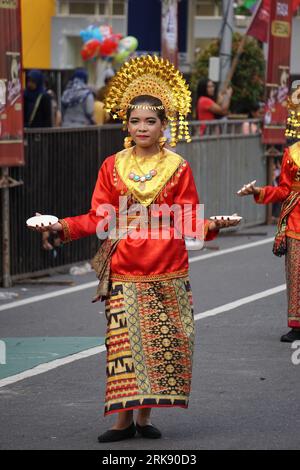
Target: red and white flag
<point x="259" y="26"/>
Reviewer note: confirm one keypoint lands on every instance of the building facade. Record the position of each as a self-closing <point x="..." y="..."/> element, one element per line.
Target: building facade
<point x="51" y="28"/>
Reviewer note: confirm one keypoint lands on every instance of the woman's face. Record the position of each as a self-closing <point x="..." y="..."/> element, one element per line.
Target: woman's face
<point x="31" y="84"/>
<point x="210" y="88"/>
<point x="145" y="127"/>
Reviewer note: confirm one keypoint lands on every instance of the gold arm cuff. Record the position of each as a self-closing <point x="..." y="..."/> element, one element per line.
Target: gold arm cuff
<point x="261" y="196"/>
<point x="66" y="231"/>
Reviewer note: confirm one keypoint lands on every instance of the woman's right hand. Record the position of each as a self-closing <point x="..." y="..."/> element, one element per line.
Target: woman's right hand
<point x="48" y="228"/>
<point x="247" y="190"/>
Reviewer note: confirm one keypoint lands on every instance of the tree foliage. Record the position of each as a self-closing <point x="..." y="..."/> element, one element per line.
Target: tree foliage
<point x="248" y="79"/>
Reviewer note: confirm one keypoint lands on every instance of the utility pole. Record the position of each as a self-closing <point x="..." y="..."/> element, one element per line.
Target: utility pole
<point x="226" y="40"/>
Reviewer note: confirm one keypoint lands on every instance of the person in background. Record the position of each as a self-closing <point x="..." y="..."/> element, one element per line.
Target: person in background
<point x="78" y="101"/>
<point x="100" y="115"/>
<point x="207" y="108"/>
<point x="37" y="102"/>
<point x="56" y="113"/>
<point x="250" y="128"/>
<point x="108" y="75"/>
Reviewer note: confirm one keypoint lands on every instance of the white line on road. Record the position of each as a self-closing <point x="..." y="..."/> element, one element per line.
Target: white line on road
<point x="88" y="285"/>
<point x="40" y="369"/>
<point x="240" y="302"/>
<point x="38" y="298"/>
<point x="231" y="250"/>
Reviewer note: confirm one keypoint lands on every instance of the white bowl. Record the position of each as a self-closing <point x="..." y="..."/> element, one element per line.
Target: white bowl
<point x="41" y="220"/>
<point x="226" y="217"/>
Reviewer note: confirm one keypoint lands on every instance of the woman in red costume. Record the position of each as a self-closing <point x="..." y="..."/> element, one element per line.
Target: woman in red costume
<point x="142" y="265"/>
<point x="287" y="240"/>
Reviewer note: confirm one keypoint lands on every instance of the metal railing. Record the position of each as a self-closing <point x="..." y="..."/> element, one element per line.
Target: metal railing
<point x="223" y="128"/>
<point x="61" y="170"/>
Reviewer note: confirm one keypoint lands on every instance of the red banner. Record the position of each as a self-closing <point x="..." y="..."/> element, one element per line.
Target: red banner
<point x="169" y="28"/>
<point x="259" y="25"/>
<point x="11" y="107"/>
<point x="277" y="86"/>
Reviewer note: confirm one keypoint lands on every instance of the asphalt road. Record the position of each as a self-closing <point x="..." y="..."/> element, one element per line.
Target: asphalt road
<point x="245" y="390"/>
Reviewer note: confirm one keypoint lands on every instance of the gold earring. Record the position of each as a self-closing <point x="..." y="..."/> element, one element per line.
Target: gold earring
<point x="128" y="142"/>
<point x="162" y="141"/>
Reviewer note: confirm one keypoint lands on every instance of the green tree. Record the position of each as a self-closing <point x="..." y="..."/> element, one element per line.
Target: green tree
<point x="248" y="79"/>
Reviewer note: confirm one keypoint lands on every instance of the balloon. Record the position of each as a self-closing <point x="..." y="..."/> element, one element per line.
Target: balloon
<point x="97" y="34"/>
<point x="85" y="35"/>
<point x="92" y="32"/>
<point x="90" y="49"/>
<point x="130" y="43"/>
<point x="106" y="31"/>
<point x="108" y="47"/>
<point x="127" y="45"/>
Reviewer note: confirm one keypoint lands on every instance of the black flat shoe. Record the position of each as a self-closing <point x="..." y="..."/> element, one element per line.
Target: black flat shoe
<point x="291" y="336"/>
<point x="114" y="435"/>
<point x="148" y="431"/>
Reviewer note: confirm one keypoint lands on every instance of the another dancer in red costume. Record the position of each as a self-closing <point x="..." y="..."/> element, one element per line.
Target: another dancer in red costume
<point x="287" y="240"/>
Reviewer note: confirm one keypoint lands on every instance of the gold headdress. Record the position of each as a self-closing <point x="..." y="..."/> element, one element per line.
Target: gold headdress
<point x="293" y="121"/>
<point x="157" y="77"/>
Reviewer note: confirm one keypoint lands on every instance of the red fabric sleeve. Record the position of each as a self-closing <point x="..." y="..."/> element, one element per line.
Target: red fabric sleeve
<point x="187" y="194"/>
<point x="278" y="193"/>
<point x="86" y="224"/>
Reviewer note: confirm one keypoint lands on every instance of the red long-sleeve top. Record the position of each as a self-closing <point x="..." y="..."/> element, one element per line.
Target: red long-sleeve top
<point x="140" y="258"/>
<point x="289" y="179"/>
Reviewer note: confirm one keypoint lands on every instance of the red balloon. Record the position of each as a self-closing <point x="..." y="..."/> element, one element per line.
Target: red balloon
<point x="90" y="49"/>
<point x="108" y="47"/>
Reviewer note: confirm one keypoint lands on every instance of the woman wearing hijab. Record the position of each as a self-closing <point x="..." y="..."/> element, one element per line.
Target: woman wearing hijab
<point x="37" y="102"/>
<point x="78" y="101"/>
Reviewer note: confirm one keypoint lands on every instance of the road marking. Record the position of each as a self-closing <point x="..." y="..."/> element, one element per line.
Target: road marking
<point x="40" y="369"/>
<point x="91" y="352"/>
<point x="240" y="302"/>
<point x="88" y="285"/>
<point x="231" y="250"/>
<point x="38" y="298"/>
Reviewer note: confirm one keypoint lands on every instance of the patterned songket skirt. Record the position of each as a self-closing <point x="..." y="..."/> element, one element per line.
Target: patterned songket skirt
<point x="293" y="281"/>
<point x="149" y="341"/>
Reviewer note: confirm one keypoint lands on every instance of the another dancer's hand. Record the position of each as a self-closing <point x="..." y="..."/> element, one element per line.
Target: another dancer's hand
<point x="248" y="190"/>
<point x="49" y="228"/>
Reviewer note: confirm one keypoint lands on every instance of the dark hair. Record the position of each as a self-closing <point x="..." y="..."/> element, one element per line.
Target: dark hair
<point x="148" y="100"/>
<point x="202" y="87"/>
<point x="254" y="108"/>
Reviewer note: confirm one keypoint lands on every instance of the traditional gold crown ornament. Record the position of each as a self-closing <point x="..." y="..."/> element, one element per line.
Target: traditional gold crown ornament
<point x="293" y="121"/>
<point x="157" y="77"/>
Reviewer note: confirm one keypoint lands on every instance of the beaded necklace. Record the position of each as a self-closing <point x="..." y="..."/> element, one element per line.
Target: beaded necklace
<point x="141" y="179"/>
